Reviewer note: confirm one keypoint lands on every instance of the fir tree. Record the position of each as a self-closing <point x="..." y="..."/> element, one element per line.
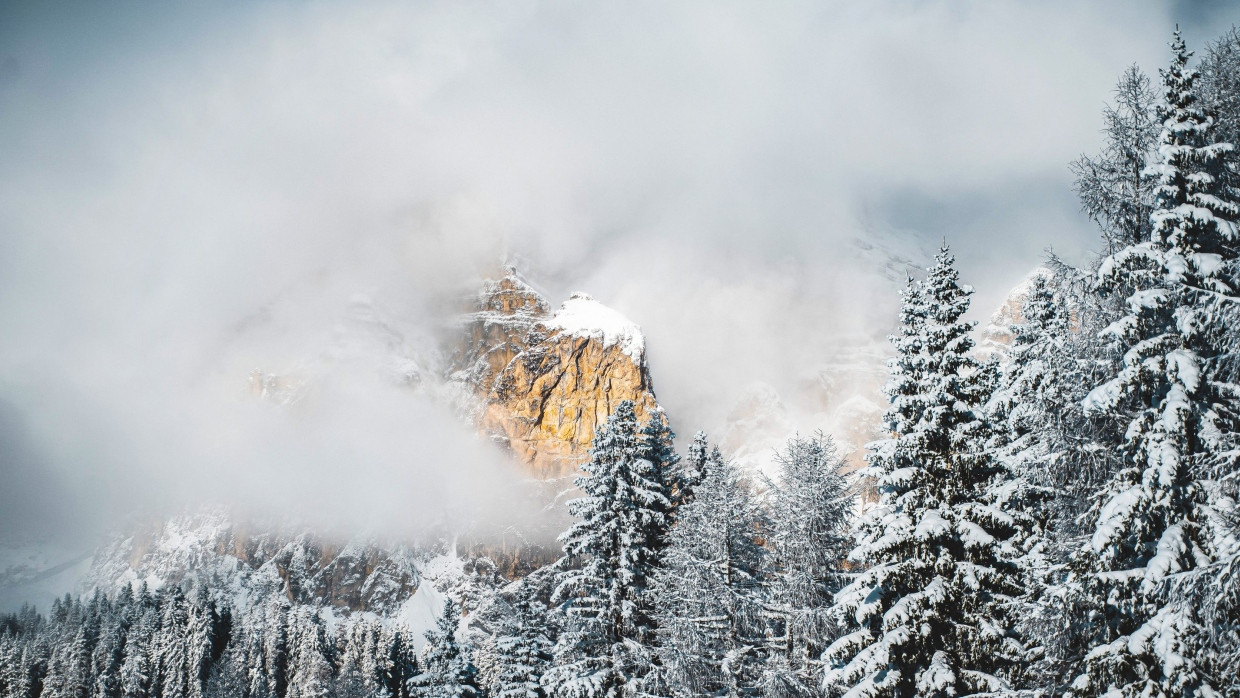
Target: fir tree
<point x="610" y="554"/>
<point x="1150" y="524"/>
<point x="808" y="538"/>
<point x="446" y="669"/>
<point x="657" y="446"/>
<point x="310" y="672"/>
<point x="693" y="468"/>
<point x="928" y="616"/>
<point x="522" y="649"/>
<point x="138" y="671"/>
<point x="1029" y="422"/>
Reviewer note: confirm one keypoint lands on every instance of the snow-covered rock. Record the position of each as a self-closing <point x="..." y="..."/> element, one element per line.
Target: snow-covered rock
<point x="542" y="382"/>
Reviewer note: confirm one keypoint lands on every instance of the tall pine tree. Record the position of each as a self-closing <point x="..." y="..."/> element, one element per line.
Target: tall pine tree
<point x="807" y="534"/>
<point x="611" y="551"/>
<point x="929" y="614"/>
<point x="1151" y="522"/>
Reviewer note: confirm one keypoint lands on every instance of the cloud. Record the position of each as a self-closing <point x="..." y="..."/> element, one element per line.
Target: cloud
<point x="707" y="168"/>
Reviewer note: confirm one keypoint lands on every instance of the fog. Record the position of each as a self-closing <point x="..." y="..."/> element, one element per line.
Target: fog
<point x="192" y="191"/>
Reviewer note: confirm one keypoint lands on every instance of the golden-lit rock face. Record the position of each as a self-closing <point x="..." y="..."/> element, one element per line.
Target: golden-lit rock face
<point x="546" y="380"/>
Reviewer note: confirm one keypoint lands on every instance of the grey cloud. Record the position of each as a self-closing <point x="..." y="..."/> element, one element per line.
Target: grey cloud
<point x="746" y="180"/>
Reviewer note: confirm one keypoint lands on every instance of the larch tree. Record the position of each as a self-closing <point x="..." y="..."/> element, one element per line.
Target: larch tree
<point x="809" y="520"/>
<point x="709" y="592"/>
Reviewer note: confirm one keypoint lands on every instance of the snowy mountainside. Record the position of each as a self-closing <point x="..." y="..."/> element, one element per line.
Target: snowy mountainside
<point x="252" y="563"/>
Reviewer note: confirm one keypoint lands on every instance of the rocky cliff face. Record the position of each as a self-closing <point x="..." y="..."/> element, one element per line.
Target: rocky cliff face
<point x="543" y="380"/>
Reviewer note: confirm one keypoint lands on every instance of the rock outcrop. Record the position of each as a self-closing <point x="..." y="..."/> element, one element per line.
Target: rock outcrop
<point x="543" y="380"/>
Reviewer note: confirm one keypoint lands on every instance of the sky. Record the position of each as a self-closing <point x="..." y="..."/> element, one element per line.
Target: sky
<point x="748" y="181"/>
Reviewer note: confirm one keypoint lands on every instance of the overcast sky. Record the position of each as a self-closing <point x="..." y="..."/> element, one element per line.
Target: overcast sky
<point x="747" y="181"/>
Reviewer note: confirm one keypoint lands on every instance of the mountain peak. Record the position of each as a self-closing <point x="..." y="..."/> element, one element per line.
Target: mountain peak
<point x="544" y="381"/>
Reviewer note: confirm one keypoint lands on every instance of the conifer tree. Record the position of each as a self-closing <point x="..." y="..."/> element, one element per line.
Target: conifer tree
<point x="309" y="670"/>
<point x="138" y="671"/>
<point x="611" y="551"/>
<point x="712" y="622"/>
<point x="523" y="651"/>
<point x="657" y="446"/>
<point x="1151" y="523"/>
<point x="928" y="615"/>
<point x="107" y="659"/>
<point x="446" y="669"/>
<point x="808" y="538"/>
<point x="1030" y="423"/>
<point x="1115" y="187"/>
<point x="692" y="469"/>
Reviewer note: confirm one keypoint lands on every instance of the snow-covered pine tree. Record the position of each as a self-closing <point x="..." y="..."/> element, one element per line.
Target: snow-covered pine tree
<point x="271" y="629"/>
<point x="107" y="658"/>
<point x="1217" y="590"/>
<point x="692" y="468"/>
<point x="447" y="671"/>
<point x="658" y="446"/>
<point x="201" y="640"/>
<point x="709" y="594"/>
<point x="1075" y="451"/>
<point x="929" y="614"/>
<point x="309" y="671"/>
<point x="610" y="552"/>
<point x="138" y="669"/>
<point x="1220" y="84"/>
<point x="400" y="663"/>
<point x="1152" y="521"/>
<point x="1029" y="422"/>
<point x="522" y="649"/>
<point x="359" y="658"/>
<point x="807" y="534"/>
<point x="169" y="648"/>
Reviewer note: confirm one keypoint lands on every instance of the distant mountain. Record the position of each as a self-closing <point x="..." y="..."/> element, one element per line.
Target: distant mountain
<point x="543" y="381"/>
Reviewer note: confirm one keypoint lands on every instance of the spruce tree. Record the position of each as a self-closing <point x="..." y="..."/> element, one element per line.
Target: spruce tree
<point x="657" y="446"/>
<point x="928" y="615"/>
<point x="1151" y="522"/>
<point x="522" y="650"/>
<point x="447" y="671"/>
<point x="610" y="552"/>
<point x="1030" y="424"/>
<point x="138" y="669"/>
<point x="309" y="671"/>
<point x="692" y="468"/>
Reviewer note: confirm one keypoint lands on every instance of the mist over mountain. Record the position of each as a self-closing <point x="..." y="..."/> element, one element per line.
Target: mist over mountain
<point x="398" y="331"/>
